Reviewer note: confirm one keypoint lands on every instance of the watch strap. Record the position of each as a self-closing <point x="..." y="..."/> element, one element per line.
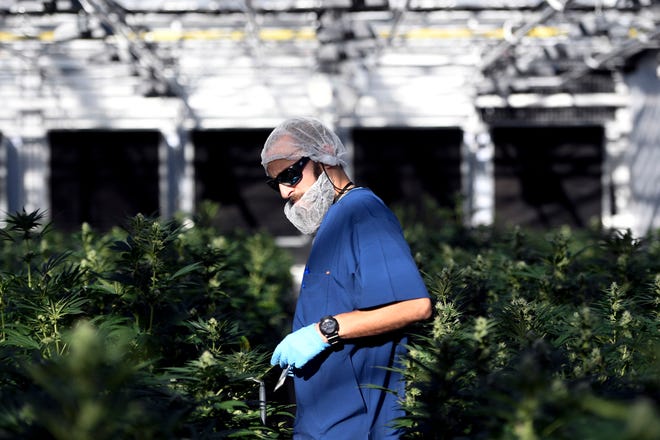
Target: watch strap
<point x="333" y="339"/>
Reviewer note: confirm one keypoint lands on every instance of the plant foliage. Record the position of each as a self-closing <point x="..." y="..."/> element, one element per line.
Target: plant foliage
<point x="163" y="329"/>
<point x="145" y="332"/>
<point x="535" y="335"/>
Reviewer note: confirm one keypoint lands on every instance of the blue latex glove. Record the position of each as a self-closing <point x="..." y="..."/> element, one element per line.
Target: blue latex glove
<point x="297" y="348"/>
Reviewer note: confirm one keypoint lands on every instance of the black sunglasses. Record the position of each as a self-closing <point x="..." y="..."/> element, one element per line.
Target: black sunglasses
<point x="290" y="176"/>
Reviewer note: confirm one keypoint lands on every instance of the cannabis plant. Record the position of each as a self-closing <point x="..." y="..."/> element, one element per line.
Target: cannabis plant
<point x="537" y="335"/>
<point x="138" y="332"/>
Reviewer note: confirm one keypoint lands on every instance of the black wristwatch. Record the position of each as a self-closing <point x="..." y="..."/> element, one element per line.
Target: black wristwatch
<point x="329" y="328"/>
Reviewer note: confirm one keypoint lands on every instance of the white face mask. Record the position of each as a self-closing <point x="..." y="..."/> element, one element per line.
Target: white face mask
<point x="308" y="212"/>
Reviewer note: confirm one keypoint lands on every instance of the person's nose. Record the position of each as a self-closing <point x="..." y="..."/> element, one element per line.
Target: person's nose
<point x="285" y="191"/>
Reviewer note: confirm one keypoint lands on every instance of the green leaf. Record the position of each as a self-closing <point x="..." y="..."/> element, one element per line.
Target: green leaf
<point x="186" y="270"/>
<point x="231" y="405"/>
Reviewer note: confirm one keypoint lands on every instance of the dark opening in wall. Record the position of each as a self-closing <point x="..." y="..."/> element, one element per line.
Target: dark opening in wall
<point x="548" y="176"/>
<point x="102" y="177"/>
<point x="228" y="171"/>
<point x="404" y="165"/>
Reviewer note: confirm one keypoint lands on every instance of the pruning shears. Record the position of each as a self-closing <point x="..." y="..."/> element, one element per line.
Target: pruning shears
<point x="285" y="372"/>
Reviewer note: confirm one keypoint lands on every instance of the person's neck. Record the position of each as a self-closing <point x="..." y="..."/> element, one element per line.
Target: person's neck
<point x="340" y="181"/>
<point x="338" y="178"/>
<point x="344" y="189"/>
<point x="345" y="185"/>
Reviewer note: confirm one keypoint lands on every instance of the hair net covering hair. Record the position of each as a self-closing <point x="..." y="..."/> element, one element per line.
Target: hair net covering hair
<point x="304" y="136"/>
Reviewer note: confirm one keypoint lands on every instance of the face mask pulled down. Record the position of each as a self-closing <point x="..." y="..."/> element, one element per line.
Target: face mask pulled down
<point x="308" y="212"/>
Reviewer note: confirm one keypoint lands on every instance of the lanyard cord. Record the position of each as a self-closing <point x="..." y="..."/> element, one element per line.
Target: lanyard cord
<point x="343" y="191"/>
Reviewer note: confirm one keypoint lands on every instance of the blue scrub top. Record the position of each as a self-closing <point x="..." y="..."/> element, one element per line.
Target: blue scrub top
<point x="359" y="260"/>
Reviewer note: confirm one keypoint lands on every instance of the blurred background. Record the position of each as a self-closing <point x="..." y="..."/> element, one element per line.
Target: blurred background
<point x="536" y="113"/>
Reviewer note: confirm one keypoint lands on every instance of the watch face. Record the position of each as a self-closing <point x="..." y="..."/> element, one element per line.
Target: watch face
<point x="328" y="326"/>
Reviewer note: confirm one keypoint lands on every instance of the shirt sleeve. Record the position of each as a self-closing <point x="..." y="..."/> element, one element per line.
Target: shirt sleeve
<point x="386" y="271"/>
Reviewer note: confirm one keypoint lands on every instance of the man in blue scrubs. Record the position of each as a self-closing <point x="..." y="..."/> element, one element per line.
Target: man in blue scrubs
<point x="360" y="289"/>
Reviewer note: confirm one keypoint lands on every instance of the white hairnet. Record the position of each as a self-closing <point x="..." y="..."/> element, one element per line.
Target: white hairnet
<point x="304" y="136"/>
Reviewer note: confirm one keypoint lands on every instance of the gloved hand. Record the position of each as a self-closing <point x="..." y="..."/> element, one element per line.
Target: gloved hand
<point x="297" y="348"/>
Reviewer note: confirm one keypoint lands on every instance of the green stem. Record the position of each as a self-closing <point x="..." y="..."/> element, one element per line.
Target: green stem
<point x="48" y="352"/>
<point x="29" y="262"/>
<point x="57" y="339"/>
<point x="151" y="317"/>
